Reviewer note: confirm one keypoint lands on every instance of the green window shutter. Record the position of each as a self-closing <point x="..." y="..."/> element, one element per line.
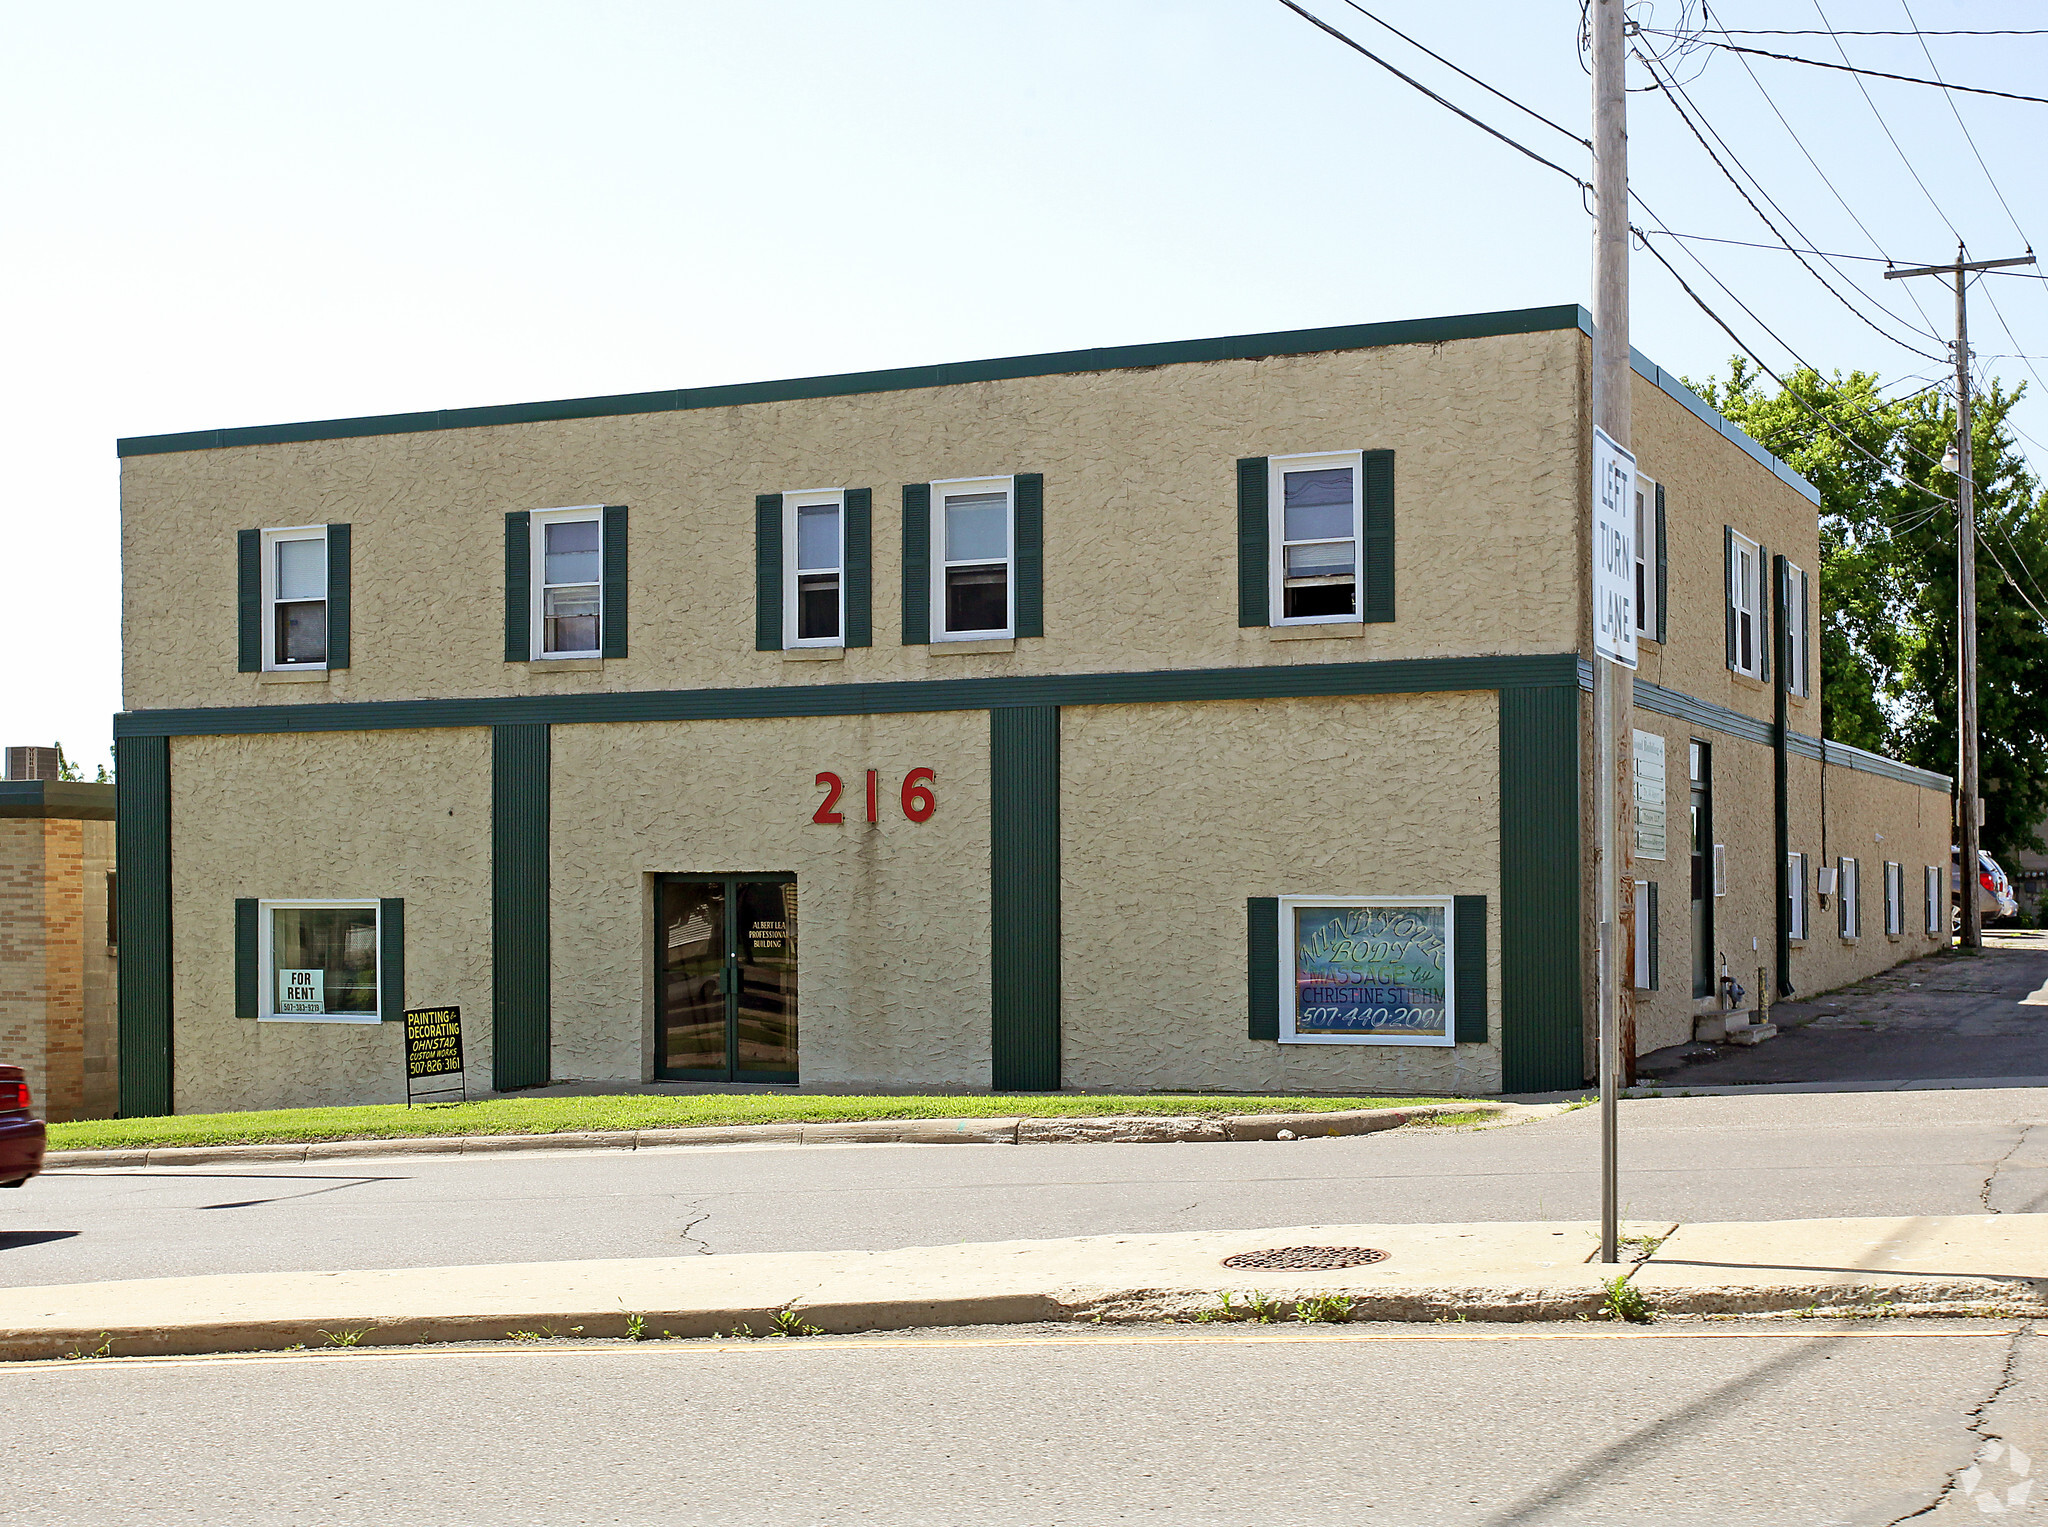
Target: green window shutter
<point x="1728" y="585"/>
<point x="391" y="959"/>
<point x="858" y="566"/>
<point x="248" y="960"/>
<point x="612" y="619"/>
<point x="249" y="601"/>
<point x="1378" y="603"/>
<point x="1027" y="513"/>
<point x="917" y="563"/>
<point x="1468" y="976"/>
<point x="1651" y="934"/>
<point x="337" y="595"/>
<point x="1262" y="965"/>
<point x="1806" y="638"/>
<point x="768" y="572"/>
<point x="1254" y="555"/>
<point x="1663" y="567"/>
<point x="1763" y="613"/>
<point x="518" y="587"/>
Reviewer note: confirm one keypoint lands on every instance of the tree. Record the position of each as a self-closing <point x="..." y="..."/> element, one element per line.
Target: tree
<point x="1888" y="657"/>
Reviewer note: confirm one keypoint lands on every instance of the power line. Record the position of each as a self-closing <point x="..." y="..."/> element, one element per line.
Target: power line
<point x="1888" y="132"/>
<point x="1816" y="32"/>
<point x="1680" y="102"/>
<point x="1778" y="248"/>
<point x="1409" y="79"/>
<point x="1957" y="111"/>
<point x="1876" y="74"/>
<point x="1475" y="79"/>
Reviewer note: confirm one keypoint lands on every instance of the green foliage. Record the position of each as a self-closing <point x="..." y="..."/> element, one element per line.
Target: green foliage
<point x="345" y="1338"/>
<point x="636" y="1328"/>
<point x="1330" y="1309"/>
<point x="1624" y="1301"/>
<point x="87" y="1354"/>
<point x="1888" y="576"/>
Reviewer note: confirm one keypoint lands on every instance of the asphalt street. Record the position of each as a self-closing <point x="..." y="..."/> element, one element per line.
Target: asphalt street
<point x="1728" y="1425"/>
<point x="1713" y="1158"/>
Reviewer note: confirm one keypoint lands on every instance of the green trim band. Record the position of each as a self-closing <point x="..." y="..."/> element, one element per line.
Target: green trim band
<point x="1024" y="898"/>
<point x="68" y="800"/>
<point x="520" y="953"/>
<point x="1542" y="1025"/>
<point x="142" y="891"/>
<point x="1279" y="681"/>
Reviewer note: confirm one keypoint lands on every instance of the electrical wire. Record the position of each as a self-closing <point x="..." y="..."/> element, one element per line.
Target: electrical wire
<point x="1475" y="79"/>
<point x="1888" y="130"/>
<point x="1682" y="104"/>
<point x="1815" y="32"/>
<point x="1946" y="95"/>
<point x="1493" y="132"/>
<point x="1824" y="254"/>
<point x="1876" y="74"/>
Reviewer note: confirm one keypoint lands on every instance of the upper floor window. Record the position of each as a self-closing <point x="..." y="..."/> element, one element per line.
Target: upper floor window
<point x="972" y="576"/>
<point x="814" y="548"/>
<point x="1797" y="658"/>
<point x="295" y="597"/>
<point x="1646" y="557"/>
<point x="568" y="582"/>
<point x="1745" y="588"/>
<point x="1318" y="526"/>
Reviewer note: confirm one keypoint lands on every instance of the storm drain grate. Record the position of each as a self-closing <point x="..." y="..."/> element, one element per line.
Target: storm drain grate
<point x="1314" y="1258"/>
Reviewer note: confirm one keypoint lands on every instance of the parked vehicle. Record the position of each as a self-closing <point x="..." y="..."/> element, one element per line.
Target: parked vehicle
<point x="1995" y="898"/>
<point x="21" y="1133"/>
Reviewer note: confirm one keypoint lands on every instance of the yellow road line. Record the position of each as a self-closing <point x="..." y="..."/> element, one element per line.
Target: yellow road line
<point x="737" y="1347"/>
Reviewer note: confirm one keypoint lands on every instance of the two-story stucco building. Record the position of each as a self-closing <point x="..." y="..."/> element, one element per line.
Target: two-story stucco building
<point x="1202" y="715"/>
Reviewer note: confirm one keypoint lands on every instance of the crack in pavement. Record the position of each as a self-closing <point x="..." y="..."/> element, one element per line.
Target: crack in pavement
<point x="1976" y="1426"/>
<point x="702" y="1214"/>
<point x="1984" y="1193"/>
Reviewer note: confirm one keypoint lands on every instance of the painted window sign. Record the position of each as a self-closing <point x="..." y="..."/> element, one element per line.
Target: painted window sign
<point x="1366" y="970"/>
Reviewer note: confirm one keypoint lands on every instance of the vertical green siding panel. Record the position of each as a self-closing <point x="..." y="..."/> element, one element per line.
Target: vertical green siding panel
<point x="518" y="587"/>
<point x="1540" y="1018"/>
<point x="249" y="601"/>
<point x="917" y="564"/>
<point x="768" y="572"/>
<point x="1654" y="936"/>
<point x="1663" y="567"/>
<point x="391" y="959"/>
<point x="1254" y="606"/>
<point x="1781" y="787"/>
<point x="1763" y="613"/>
<point x="1024" y="884"/>
<point x="1378" y="601"/>
<point x="519" y="907"/>
<point x="1027" y="512"/>
<point x="338" y="607"/>
<point x="1807" y="654"/>
<point x="1262" y="967"/>
<point x="142" y="848"/>
<point x="612" y="619"/>
<point x="1468" y="976"/>
<point x="1728" y="585"/>
<point x="858" y="566"/>
<point x="248" y="959"/>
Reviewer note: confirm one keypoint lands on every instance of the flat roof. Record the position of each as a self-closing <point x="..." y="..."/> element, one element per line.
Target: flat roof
<point x="1363" y="336"/>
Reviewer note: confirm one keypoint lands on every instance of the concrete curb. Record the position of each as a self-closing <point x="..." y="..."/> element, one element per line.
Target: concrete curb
<point x="1969" y="1266"/>
<point x="1146" y="1129"/>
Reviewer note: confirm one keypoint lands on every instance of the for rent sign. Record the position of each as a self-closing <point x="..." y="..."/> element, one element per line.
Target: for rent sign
<point x="1614" y="551"/>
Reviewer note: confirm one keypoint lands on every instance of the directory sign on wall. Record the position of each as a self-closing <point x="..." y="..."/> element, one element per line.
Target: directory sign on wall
<point x="1365" y="971"/>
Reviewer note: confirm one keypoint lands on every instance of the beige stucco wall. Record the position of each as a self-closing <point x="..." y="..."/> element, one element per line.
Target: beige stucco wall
<point x="1140" y="522"/>
<point x="1871" y="819"/>
<point x="1173" y="815"/>
<point x="893" y="916"/>
<point x="343" y="814"/>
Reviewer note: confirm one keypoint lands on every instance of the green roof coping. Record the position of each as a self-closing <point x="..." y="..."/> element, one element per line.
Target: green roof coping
<point x="71" y="800"/>
<point x="1362" y="336"/>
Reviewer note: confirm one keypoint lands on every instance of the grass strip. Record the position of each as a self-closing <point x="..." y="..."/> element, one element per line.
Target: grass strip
<point x="556" y="1115"/>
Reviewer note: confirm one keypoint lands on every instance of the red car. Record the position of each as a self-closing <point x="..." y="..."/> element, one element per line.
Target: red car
<point x="21" y="1135"/>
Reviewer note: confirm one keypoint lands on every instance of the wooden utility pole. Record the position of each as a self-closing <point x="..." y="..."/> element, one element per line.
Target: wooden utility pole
<point x="1968" y="786"/>
<point x="1613" y="684"/>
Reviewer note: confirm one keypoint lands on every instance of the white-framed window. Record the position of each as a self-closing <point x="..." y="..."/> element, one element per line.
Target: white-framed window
<point x="568" y="582"/>
<point x="1797" y="658"/>
<point x="974" y="572"/>
<point x="295" y="597"/>
<point x="1366" y="970"/>
<point x="1847" y="888"/>
<point x="1745" y="589"/>
<point x="1795" y="892"/>
<point x="1894" y="898"/>
<point x="1646" y="557"/>
<point x="319" y="961"/>
<point x="1317" y="534"/>
<point x="814" y="569"/>
<point x="1933" y="899"/>
<point x="1651" y="795"/>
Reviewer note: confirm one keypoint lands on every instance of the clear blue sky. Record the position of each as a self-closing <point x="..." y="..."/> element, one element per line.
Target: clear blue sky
<point x="232" y="214"/>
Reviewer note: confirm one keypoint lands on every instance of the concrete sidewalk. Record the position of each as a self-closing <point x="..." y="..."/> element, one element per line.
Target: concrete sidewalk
<point x="1989" y="1264"/>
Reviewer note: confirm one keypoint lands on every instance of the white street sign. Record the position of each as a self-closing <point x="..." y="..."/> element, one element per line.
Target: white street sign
<point x="1614" y="551"/>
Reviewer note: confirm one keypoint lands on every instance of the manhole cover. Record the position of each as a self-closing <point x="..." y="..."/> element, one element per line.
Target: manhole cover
<point x="1314" y="1258"/>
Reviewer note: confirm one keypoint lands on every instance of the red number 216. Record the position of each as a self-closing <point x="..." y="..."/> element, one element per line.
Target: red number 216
<point x="918" y="801"/>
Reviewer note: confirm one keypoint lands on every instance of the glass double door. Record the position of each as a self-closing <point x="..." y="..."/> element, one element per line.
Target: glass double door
<point x="725" y="965"/>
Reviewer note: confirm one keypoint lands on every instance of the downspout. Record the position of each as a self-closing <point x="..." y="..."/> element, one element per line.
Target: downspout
<point x="1781" y="784"/>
